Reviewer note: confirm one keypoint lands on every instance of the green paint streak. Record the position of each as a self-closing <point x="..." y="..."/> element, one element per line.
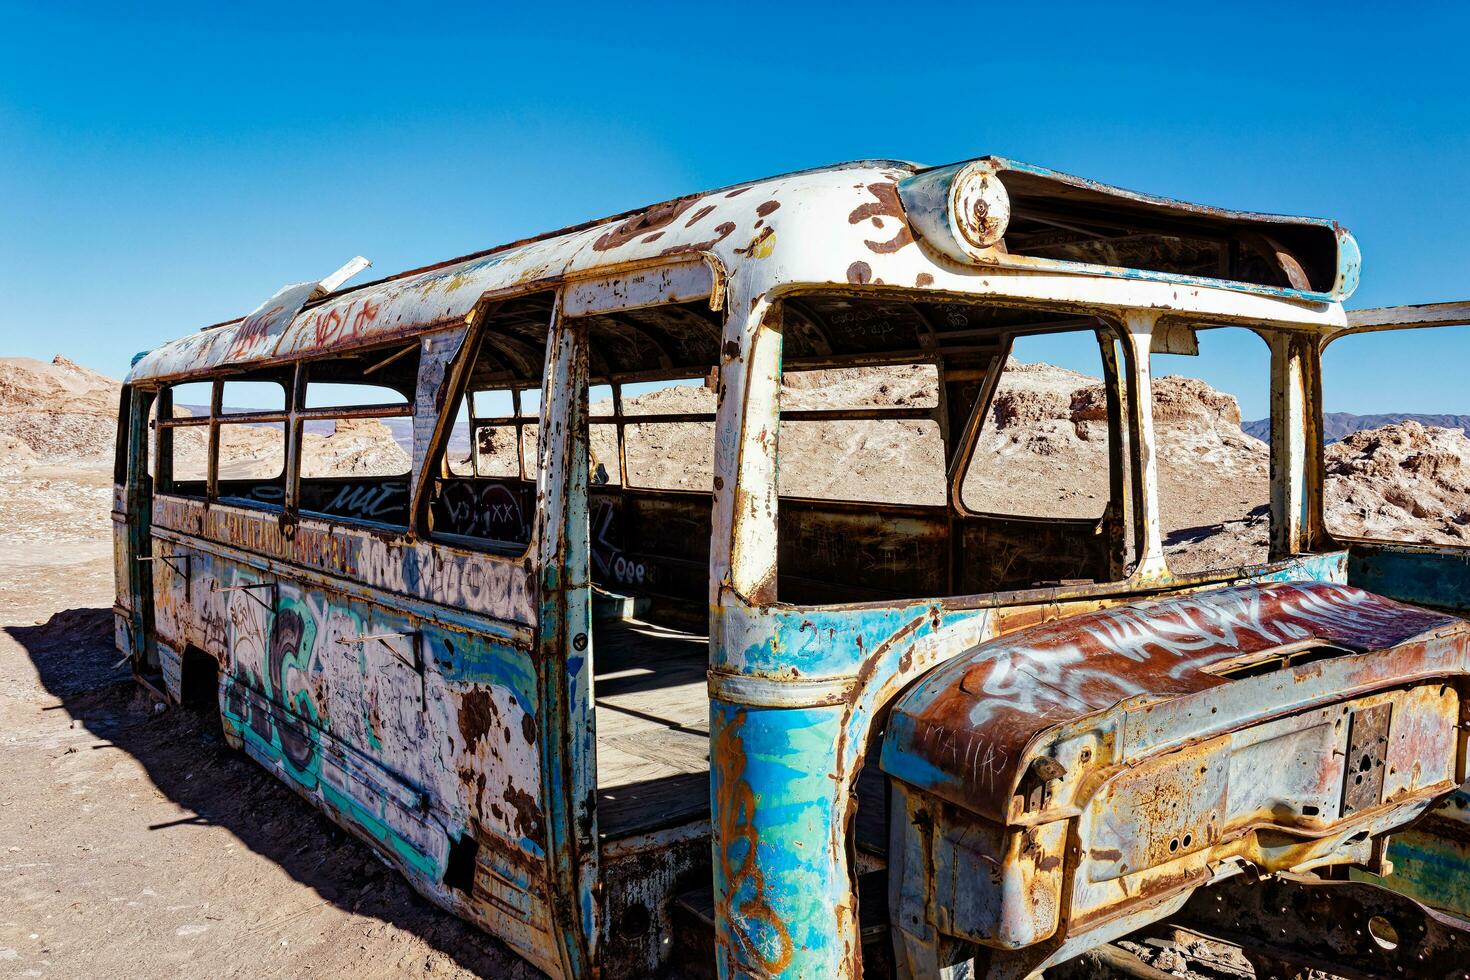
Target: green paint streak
<point x="349" y="808"/>
<point x="1429" y="869"/>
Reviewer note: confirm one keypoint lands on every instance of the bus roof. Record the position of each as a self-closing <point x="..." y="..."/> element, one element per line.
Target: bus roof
<point x="854" y="224"/>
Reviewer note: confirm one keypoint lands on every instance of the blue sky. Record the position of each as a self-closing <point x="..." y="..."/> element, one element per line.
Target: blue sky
<point x="166" y="167"/>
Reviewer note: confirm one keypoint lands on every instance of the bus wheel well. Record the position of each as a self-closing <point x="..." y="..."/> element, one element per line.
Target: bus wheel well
<point x="459" y="870"/>
<point x="198" y="680"/>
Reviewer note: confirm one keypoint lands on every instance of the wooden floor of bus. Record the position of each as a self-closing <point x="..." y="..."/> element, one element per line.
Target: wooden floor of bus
<point x="652" y="726"/>
<point x="652" y="710"/>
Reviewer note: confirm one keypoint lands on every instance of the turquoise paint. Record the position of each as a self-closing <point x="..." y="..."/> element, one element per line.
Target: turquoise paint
<point x="345" y="806"/>
<point x="1430" y="869"/>
<point x="806" y="643"/>
<point x="469" y="659"/>
<point x="781" y="775"/>
<point x="781" y="897"/>
<point x="1438" y="577"/>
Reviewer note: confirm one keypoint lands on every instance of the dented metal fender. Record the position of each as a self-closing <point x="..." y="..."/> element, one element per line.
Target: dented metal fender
<point x="1061" y="785"/>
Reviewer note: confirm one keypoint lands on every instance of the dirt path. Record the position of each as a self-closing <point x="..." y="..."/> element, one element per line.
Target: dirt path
<point x="134" y="843"/>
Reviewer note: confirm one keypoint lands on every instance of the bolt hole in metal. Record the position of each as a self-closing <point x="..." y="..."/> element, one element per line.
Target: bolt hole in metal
<point x="1382" y="932"/>
<point x="636" y="921"/>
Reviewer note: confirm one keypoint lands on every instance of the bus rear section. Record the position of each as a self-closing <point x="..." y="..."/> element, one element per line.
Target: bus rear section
<point x="1066" y="784"/>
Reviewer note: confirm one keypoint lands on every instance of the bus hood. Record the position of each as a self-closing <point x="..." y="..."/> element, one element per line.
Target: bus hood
<point x="1148" y="677"/>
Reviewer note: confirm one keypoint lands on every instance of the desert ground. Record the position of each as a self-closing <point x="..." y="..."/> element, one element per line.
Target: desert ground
<point x="134" y="843"/>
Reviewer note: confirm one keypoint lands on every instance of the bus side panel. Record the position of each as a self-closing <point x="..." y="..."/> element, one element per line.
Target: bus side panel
<point x="122" y="602"/>
<point x="413" y="725"/>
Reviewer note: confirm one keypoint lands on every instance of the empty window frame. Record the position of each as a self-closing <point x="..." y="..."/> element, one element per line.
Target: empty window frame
<point x="867" y="434"/>
<point x="881" y="516"/>
<point x="494" y="434"/>
<point x="668" y="433"/>
<point x="236" y="455"/>
<point x="1396" y="429"/>
<point x="1212" y="409"/>
<point x="604" y="449"/>
<point x="356" y="435"/>
<point x="251" y="429"/>
<point x="183" y="431"/>
<point x="482" y="492"/>
<point x="252" y="462"/>
<point x="1044" y="448"/>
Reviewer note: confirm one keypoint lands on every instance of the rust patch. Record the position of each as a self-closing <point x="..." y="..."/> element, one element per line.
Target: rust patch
<point x="699" y="215"/>
<point x="477" y="716"/>
<point x="644" y="222"/>
<point x="887" y="205"/>
<point x="767" y="207"/>
<point x="528" y="729"/>
<point x="528" y="815"/>
<point x="923" y="279"/>
<point x="860" y="273"/>
<point x="722" y="231"/>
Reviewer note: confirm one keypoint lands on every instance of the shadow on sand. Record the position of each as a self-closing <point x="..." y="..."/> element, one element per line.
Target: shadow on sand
<point x="191" y="764"/>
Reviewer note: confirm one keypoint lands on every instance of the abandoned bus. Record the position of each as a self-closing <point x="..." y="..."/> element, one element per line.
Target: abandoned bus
<point x="541" y="571"/>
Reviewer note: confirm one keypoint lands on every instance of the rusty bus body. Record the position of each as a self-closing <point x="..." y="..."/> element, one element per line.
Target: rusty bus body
<point x="1061" y="739"/>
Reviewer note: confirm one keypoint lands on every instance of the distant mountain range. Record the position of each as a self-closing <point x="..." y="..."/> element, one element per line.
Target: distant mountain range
<point x="1339" y="425"/>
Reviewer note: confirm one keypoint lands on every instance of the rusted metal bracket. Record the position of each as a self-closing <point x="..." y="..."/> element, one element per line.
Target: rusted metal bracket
<point x="1362" y="784"/>
<point x="1349" y="929"/>
<point x="249" y="590"/>
<point x="183" y="572"/>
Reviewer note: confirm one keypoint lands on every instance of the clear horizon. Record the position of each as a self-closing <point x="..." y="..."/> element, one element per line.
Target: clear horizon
<point x="167" y="169"/>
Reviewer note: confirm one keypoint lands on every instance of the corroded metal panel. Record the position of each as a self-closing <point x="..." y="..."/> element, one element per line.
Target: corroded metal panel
<point x="415" y="731"/>
<point x="1280" y="727"/>
<point x="964" y="210"/>
<point x="1333" y="928"/>
<point x="1007" y="693"/>
<point x="641" y="876"/>
<point x="1366" y="757"/>
<point x="794" y="694"/>
<point x="1432" y="576"/>
<point x="568" y="759"/>
<point x="375" y="561"/>
<point x="640" y="288"/>
<point x="122" y="594"/>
